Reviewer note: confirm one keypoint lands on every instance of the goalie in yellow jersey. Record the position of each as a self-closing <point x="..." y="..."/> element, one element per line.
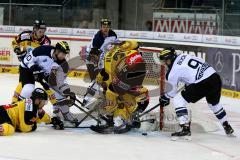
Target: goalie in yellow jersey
<point x="24" y="115"/>
<point x="121" y="79"/>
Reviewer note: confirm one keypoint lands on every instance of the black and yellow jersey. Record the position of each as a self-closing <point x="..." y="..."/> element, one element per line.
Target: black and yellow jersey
<point x="27" y="39"/>
<point x="21" y="116"/>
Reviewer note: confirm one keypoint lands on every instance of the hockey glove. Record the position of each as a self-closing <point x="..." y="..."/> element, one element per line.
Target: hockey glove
<point x="20" y="54"/>
<point x="57" y="123"/>
<point x="17" y="50"/>
<point x="37" y="73"/>
<point x="164" y="101"/>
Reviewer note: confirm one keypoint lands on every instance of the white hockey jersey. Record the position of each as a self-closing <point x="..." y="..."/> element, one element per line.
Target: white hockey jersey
<point x="187" y="69"/>
<point x="41" y="56"/>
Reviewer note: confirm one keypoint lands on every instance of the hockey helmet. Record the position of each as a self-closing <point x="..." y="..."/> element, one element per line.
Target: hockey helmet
<point x="63" y="46"/>
<point x="167" y="53"/>
<point x="130" y="72"/>
<point x="105" y="21"/>
<point x="39" y="24"/>
<point x="39" y="93"/>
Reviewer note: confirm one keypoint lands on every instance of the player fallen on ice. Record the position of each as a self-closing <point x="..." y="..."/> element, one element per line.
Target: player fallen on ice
<point x="24" y="115"/>
<point x="48" y="64"/>
<point x="28" y="40"/>
<point x="200" y="80"/>
<point x="121" y="79"/>
<point x="99" y="43"/>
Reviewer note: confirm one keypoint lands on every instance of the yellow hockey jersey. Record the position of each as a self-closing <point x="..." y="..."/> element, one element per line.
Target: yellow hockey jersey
<point x="21" y="116"/>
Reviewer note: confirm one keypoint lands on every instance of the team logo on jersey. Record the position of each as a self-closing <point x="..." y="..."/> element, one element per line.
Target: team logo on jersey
<point x="28" y="105"/>
<point x="25" y="36"/>
<point x="134" y="58"/>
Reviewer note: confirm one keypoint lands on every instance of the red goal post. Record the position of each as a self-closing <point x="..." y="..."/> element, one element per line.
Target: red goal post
<point x="155" y="74"/>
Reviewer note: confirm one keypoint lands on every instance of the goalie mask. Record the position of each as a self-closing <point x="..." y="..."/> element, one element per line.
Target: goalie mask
<point x="130" y="72"/>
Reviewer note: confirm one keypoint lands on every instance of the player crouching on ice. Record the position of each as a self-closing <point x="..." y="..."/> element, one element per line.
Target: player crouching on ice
<point x="121" y="80"/>
<point x="47" y="65"/>
<point x="24" y="115"/>
<point x="200" y="80"/>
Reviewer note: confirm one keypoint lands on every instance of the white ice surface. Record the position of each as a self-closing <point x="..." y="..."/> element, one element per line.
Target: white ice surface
<point x="83" y="144"/>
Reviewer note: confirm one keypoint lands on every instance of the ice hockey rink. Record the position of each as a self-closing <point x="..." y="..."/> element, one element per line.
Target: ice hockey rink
<point x="208" y="139"/>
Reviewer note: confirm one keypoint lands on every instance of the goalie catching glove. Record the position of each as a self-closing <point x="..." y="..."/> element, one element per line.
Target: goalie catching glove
<point x="164" y="101"/>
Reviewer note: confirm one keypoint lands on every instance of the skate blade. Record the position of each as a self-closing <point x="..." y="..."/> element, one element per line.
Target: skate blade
<point x="231" y="135"/>
<point x="183" y="138"/>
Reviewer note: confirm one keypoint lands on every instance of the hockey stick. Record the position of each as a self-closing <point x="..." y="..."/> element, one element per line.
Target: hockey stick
<point x="86" y="116"/>
<point x="149" y="110"/>
<point x="157" y="105"/>
<point x="80" y="108"/>
<point x="92" y="110"/>
<point x="79" y="127"/>
<point x="87" y="113"/>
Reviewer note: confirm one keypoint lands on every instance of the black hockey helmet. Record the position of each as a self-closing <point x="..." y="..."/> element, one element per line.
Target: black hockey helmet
<point x="39" y="93"/>
<point x="105" y="21"/>
<point x="167" y="53"/>
<point x="39" y="24"/>
<point x="63" y="46"/>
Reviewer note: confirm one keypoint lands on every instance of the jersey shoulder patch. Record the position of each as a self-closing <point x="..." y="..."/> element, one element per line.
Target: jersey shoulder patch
<point x="28" y="105"/>
<point x="25" y="36"/>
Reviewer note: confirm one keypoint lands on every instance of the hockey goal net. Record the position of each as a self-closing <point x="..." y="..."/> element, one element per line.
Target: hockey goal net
<point x="165" y="118"/>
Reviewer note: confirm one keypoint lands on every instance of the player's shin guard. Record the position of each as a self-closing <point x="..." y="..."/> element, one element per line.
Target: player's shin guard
<point x="181" y="109"/>
<point x="17" y="93"/>
<point x="66" y="115"/>
<point x="220" y="113"/>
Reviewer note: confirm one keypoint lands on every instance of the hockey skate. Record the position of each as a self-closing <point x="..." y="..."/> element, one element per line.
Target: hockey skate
<point x="106" y="128"/>
<point x="184" y="133"/>
<point x="71" y="124"/>
<point x="228" y="129"/>
<point x="102" y="129"/>
<point x="111" y="128"/>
